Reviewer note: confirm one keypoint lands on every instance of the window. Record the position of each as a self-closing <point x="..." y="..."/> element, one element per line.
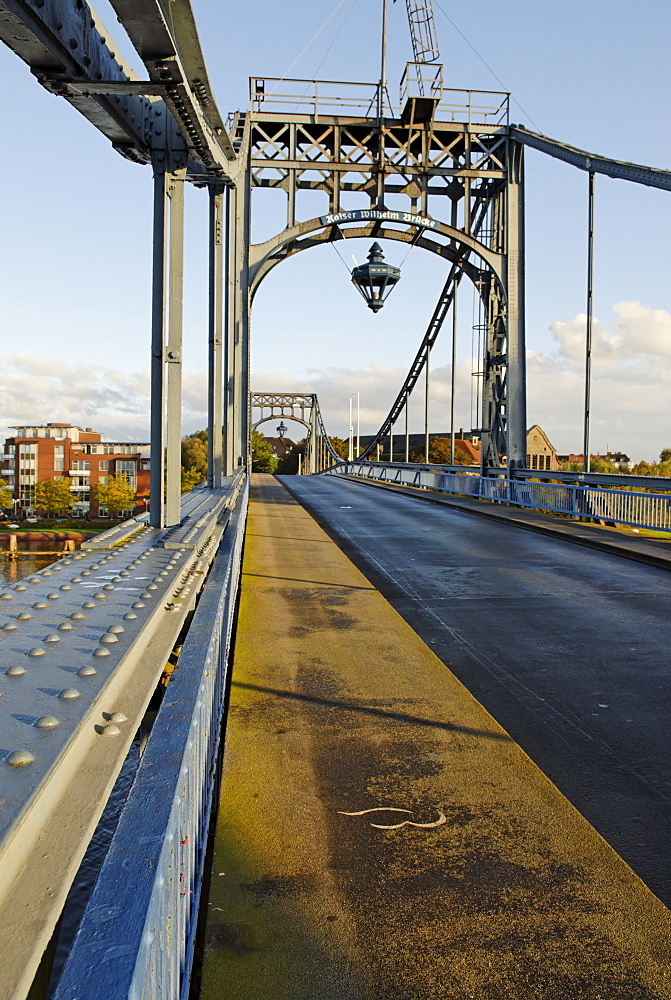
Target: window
<point x="124" y="468"/>
<point x="104" y="466"/>
<point x="81" y="466"/>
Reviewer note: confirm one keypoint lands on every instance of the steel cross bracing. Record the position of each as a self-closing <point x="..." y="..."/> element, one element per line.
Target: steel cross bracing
<point x="471" y="165"/>
<point x="319" y="452"/>
<point x="84" y="643"/>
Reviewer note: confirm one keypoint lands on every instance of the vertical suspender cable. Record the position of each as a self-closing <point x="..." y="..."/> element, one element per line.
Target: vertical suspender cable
<point x="454" y="366"/>
<point x="590" y="309"/>
<point x="426" y="408"/>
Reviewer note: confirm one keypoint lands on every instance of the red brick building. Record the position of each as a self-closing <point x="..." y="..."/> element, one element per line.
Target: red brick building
<point x="50" y="450"/>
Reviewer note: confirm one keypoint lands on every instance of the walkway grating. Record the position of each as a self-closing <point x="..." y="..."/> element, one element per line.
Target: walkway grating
<point x="474" y="877"/>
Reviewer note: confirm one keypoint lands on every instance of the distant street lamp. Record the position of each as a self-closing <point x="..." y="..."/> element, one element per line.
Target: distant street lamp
<point x="281" y="429"/>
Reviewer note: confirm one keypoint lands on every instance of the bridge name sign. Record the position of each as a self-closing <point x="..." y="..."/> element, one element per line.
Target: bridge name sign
<point x="375" y="215"/>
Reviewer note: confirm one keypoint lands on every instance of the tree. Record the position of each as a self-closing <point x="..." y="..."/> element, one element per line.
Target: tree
<point x="440" y="453"/>
<point x="115" y="493"/>
<point x="54" y="495"/>
<point x="340" y="446"/>
<point x="6" y="499"/>
<point x="287" y="465"/>
<point x="263" y="459"/>
<point x="194" y="460"/>
<point x="665" y="455"/>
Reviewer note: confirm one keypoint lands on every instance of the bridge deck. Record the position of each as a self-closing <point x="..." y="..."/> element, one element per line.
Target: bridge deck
<point x="337" y="707"/>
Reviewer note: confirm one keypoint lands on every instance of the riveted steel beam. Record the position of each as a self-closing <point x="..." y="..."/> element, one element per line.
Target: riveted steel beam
<point x="639" y="174"/>
<point x="166" y="40"/>
<point x="84" y="643"/>
<point x="62" y="42"/>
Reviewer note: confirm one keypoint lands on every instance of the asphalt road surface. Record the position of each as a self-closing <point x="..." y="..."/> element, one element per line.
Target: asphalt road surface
<point x="568" y="648"/>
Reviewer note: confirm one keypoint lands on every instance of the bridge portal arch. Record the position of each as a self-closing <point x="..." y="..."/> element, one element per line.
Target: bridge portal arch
<point x="465" y="157"/>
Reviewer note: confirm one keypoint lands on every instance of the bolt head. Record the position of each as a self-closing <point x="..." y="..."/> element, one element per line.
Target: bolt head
<point x="47" y="722"/>
<point x="19" y="758"/>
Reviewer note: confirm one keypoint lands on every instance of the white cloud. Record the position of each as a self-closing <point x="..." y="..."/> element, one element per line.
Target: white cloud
<point x="639" y="330"/>
<point x="631" y="390"/>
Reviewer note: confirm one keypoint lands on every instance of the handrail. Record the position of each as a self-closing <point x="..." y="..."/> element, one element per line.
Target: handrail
<point x="152" y="874"/>
<point x="642" y="510"/>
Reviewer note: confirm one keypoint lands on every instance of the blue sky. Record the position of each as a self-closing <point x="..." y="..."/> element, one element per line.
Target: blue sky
<point x="75" y="254"/>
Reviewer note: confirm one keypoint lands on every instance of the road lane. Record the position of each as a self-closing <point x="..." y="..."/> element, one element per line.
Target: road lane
<point x="568" y="648"/>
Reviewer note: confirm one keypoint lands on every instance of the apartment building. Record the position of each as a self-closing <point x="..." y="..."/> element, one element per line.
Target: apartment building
<point x="49" y="450"/>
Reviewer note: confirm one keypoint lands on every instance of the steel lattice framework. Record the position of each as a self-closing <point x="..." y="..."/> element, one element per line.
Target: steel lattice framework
<point x="319" y="452"/>
<point x="453" y="160"/>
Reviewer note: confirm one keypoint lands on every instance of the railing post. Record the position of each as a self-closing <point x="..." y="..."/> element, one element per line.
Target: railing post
<point x="215" y="405"/>
<point x="166" y="346"/>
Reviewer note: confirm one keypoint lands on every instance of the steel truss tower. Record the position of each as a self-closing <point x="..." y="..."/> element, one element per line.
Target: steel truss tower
<point x="449" y="163"/>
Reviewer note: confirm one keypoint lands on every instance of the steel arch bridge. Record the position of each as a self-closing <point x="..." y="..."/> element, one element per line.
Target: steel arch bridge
<point x="459" y="151"/>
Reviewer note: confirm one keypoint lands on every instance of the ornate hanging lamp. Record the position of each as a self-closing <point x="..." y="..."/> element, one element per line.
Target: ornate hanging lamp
<point x="375" y="279"/>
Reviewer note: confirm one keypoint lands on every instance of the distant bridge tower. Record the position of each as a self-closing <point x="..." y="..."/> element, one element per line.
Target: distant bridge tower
<point x="302" y="407"/>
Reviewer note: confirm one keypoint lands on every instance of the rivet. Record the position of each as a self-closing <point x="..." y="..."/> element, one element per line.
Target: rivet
<point x="87" y="671"/>
<point x="47" y="722"/>
<point x="118" y="717"/>
<point x="86" y="572"/>
<point x="16" y="671"/>
<point x="20" y="587"/>
<point x="53" y="597"/>
<point x="100" y="596"/>
<point x="129" y="616"/>
<point x="20" y="757"/>
<point x="116" y="628"/>
<point x="23" y="617"/>
<point x="52" y="637"/>
<point x="47" y="572"/>
<point x="37" y="651"/>
<point x="108" y="638"/>
<point x="108" y="586"/>
<point x="77" y="616"/>
<point x="101" y="651"/>
<point x="146" y="596"/>
<point x="6" y="597"/>
<point x="67" y="562"/>
<point x="110" y="730"/>
<point x="137" y="604"/>
<point x="69" y="694"/>
<point x="9" y="627"/>
<point x="152" y="586"/>
<point x="124" y="572"/>
<point x="76" y="579"/>
<point x="94" y="566"/>
<point x="34" y="579"/>
<point x="64" y="627"/>
<point x="65" y="586"/>
<point x="40" y="604"/>
<point x="117" y="579"/>
<point x="89" y="605"/>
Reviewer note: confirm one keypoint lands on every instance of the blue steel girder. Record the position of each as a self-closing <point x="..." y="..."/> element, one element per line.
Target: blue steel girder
<point x="66" y="46"/>
<point x="635" y="172"/>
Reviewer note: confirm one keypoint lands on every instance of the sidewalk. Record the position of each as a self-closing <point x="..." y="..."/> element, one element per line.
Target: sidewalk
<point x="655" y="551"/>
<point x="379" y="835"/>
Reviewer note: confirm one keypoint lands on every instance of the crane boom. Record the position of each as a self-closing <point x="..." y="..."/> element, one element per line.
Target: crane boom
<point x="422" y="31"/>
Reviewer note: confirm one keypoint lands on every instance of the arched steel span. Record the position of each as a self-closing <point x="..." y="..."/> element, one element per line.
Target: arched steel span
<point x="305" y="235"/>
<point x="274" y="416"/>
<point x="314" y="233"/>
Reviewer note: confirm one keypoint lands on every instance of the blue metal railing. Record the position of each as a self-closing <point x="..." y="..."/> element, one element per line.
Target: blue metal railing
<point x="137" y="933"/>
<point x="623" y="506"/>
